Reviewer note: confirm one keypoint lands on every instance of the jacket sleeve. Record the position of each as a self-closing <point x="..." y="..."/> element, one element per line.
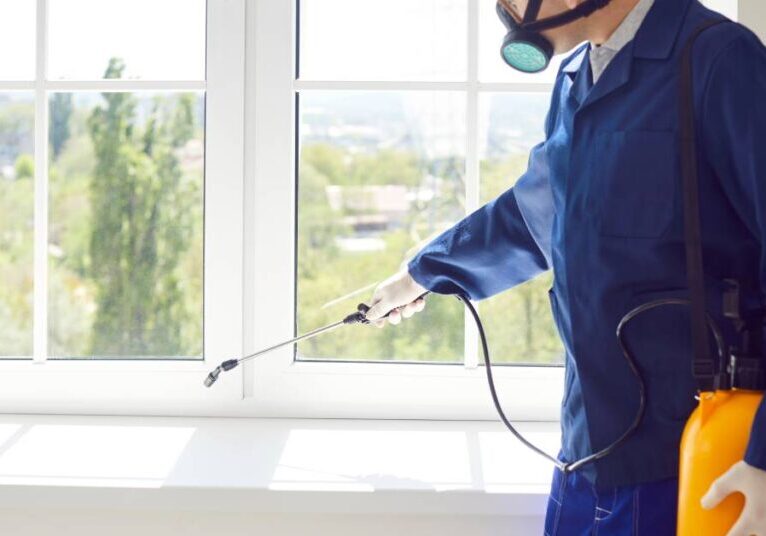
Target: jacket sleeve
<point x="502" y="244"/>
<point x="733" y="130"/>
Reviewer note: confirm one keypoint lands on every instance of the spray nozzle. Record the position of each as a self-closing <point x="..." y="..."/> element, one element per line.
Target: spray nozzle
<point x="213" y="377"/>
<point x="226" y="365"/>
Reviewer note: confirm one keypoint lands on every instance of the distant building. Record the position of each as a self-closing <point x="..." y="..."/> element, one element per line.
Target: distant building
<point x="370" y="209"/>
<point x="370" y="212"/>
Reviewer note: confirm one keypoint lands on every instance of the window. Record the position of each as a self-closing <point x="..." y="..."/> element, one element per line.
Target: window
<point x="121" y="187"/>
<point x="125" y="181"/>
<point x="373" y="145"/>
<point x="278" y="177"/>
<point x="399" y="139"/>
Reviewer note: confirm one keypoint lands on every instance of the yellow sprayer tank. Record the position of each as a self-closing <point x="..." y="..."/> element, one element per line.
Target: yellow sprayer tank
<point x="715" y="438"/>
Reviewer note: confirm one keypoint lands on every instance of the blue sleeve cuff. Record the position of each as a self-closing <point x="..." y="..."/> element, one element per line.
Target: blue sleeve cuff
<point x="756" y="448"/>
<point x="424" y="279"/>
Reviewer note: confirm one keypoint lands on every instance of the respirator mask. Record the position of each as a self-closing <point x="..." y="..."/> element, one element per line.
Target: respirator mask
<point x="524" y="47"/>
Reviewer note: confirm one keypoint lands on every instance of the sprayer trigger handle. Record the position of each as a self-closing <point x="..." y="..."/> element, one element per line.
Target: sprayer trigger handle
<point x="364" y="309"/>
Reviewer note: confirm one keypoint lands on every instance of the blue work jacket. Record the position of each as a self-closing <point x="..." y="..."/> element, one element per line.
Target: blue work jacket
<point x="601" y="205"/>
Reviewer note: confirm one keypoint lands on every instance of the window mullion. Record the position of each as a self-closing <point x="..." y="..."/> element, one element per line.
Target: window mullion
<point x="40" y="330"/>
<point x="472" y="157"/>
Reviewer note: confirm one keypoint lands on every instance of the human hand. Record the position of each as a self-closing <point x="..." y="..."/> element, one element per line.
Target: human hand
<point x="399" y="296"/>
<point x="750" y="482"/>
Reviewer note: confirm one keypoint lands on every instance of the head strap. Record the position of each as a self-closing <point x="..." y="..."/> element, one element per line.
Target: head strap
<point x="530" y="23"/>
<point x="533" y="10"/>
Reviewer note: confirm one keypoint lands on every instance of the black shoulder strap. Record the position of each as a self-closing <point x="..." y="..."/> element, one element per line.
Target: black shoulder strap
<point x="704" y="367"/>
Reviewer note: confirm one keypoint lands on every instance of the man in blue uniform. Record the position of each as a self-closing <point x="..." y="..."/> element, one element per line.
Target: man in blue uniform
<point x="600" y="205"/>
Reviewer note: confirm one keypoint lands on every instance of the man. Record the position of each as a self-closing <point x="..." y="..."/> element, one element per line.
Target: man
<point x="600" y="205"/>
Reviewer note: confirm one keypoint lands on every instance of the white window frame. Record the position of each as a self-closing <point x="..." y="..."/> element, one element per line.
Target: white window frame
<point x="249" y="258"/>
<point x="150" y="386"/>
<point x="279" y="386"/>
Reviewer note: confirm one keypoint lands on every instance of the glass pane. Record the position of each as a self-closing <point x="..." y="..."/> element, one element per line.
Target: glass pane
<point x="171" y="44"/>
<point x="17" y="169"/>
<point x="518" y="322"/>
<point x="492" y="68"/>
<point x="392" y="40"/>
<point x="17" y="40"/>
<point x="126" y="228"/>
<point x="381" y="173"/>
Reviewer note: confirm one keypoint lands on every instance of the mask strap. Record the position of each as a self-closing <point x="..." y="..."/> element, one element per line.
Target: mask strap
<point x="581" y="11"/>
<point x="532" y="11"/>
<point x="507" y="13"/>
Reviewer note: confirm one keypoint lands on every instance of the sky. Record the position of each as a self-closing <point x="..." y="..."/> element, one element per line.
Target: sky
<point x="84" y="34"/>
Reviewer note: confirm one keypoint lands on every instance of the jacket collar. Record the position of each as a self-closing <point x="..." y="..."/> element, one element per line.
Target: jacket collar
<point x="654" y="40"/>
<point x="579" y="71"/>
<point x="574" y="62"/>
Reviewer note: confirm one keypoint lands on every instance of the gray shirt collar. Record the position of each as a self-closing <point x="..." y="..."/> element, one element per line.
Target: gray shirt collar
<point x="601" y="56"/>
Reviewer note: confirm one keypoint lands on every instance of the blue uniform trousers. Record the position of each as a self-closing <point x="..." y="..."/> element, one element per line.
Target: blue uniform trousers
<point x="577" y="508"/>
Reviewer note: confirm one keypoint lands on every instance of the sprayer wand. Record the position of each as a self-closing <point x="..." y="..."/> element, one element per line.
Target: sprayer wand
<point x="359" y="317"/>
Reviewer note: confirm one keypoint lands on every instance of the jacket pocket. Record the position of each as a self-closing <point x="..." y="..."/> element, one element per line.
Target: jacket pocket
<point x="634" y="188"/>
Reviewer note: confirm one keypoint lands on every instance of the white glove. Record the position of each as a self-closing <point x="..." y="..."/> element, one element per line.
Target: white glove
<point x="750" y="482"/>
<point x="400" y="295"/>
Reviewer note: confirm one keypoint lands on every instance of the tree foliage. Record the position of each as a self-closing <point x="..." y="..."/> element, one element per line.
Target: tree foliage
<point x="60" y="112"/>
<point x="141" y="225"/>
<point x="125" y="237"/>
<point x="25" y="167"/>
<point x="16" y="283"/>
<point x="518" y="322"/>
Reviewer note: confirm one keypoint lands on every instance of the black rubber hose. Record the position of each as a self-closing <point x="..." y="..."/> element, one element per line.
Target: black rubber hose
<point x="575" y="465"/>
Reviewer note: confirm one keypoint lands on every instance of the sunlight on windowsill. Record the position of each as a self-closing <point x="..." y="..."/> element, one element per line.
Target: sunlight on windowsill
<point x="272" y="455"/>
<point x="339" y="460"/>
<point x="93" y="456"/>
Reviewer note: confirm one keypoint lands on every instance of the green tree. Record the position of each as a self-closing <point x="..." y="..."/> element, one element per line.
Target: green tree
<point x="16" y="126"/>
<point x="25" y="166"/>
<point x="16" y="282"/>
<point x="60" y="113"/>
<point x="326" y="272"/>
<point x="518" y="322"/>
<point x="141" y="213"/>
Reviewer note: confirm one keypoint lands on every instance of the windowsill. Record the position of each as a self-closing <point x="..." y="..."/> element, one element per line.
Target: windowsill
<point x="273" y="465"/>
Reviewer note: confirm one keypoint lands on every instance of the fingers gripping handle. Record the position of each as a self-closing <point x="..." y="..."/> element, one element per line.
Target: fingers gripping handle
<point x="363" y="308"/>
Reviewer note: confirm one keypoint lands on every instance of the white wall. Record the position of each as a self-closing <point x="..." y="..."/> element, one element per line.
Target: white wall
<point x="126" y="523"/>
<point x="752" y="13"/>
